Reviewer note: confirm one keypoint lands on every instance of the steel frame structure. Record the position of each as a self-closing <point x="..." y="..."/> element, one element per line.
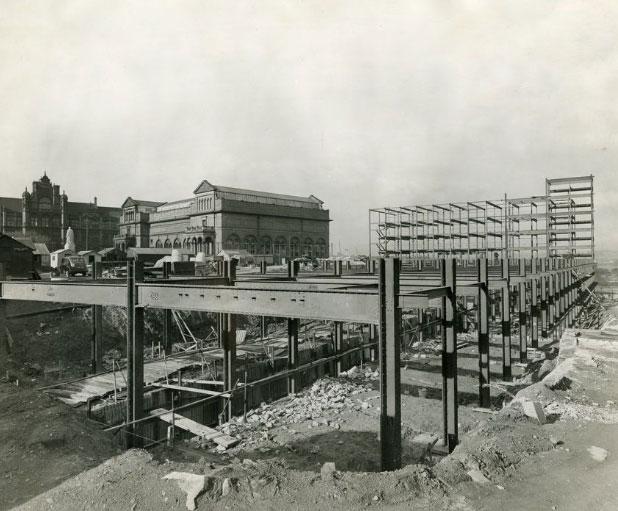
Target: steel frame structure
<point x="559" y="286"/>
<point x="557" y="224"/>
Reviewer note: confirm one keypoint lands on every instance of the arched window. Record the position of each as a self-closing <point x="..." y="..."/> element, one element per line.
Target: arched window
<point x="200" y="247"/>
<point x="280" y="247"/>
<point x="176" y="243"/>
<point x="167" y="244"/>
<point x="294" y="247"/>
<point x="267" y="245"/>
<point x="158" y="244"/>
<point x="308" y="247"/>
<point x="233" y="242"/>
<point x="152" y="242"/>
<point x="250" y="244"/>
<point x="321" y="248"/>
<point x="208" y="246"/>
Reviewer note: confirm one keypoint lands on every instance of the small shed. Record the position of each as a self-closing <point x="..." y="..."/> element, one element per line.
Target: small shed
<point x="112" y="254"/>
<point x="16" y="259"/>
<point x="152" y="255"/>
<point x="90" y="256"/>
<point x="242" y="256"/>
<point x="58" y="256"/>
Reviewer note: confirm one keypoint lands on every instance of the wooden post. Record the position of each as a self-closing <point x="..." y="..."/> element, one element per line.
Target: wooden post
<point x="390" y="371"/>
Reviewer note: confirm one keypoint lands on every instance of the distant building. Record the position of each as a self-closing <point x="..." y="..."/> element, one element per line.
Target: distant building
<point x="219" y="218"/>
<point x="45" y="214"/>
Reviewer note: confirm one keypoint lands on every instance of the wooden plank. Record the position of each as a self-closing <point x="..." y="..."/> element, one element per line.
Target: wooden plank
<point x="191" y="389"/>
<point x="196" y="428"/>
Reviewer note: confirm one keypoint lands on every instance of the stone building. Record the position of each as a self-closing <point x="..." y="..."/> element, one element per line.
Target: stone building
<point x="216" y="218"/>
<point x="45" y="214"/>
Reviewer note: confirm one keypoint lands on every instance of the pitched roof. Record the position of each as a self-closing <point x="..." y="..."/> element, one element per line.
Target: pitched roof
<point x="11" y="203"/>
<point x="206" y="186"/>
<point x="130" y="201"/>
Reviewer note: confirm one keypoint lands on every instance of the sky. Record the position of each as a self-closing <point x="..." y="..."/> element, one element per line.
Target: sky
<point x="360" y="103"/>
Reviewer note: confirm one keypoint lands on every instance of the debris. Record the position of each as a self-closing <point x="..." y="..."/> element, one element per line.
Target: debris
<point x="226" y="487"/>
<point x="477" y="476"/>
<point x="328" y="470"/>
<point x="597" y="453"/>
<point x="534" y="409"/>
<point x="193" y="484"/>
<point x="555" y="441"/>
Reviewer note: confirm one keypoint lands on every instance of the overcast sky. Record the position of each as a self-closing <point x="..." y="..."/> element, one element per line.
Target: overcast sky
<point x="361" y="103"/>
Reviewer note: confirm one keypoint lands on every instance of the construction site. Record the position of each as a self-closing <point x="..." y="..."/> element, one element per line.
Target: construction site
<point x="468" y="364"/>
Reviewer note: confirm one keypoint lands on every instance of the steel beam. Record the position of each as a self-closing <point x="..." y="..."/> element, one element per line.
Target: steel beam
<point x="353" y="307"/>
<point x="389" y="359"/>
<point x="449" y="356"/>
<point x="483" y="333"/>
<point x="293" y="386"/>
<point x="84" y="292"/>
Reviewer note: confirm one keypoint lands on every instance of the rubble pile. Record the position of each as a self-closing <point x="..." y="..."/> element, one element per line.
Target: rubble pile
<point x="326" y="396"/>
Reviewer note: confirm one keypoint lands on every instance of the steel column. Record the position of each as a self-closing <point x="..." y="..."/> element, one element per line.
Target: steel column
<point x="534" y="310"/>
<point x="338" y="341"/>
<point x="449" y="355"/>
<point x="292" y="354"/>
<point x="135" y="356"/>
<point x="483" y="333"/>
<point x="96" y="347"/>
<point x="228" y="328"/>
<point x="523" y="314"/>
<point x="4" y="341"/>
<point x="506" y="321"/>
<point x="544" y="286"/>
<point x="167" y="315"/>
<point x="390" y="370"/>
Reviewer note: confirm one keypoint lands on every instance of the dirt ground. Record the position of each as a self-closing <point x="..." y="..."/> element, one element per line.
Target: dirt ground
<point x="504" y="459"/>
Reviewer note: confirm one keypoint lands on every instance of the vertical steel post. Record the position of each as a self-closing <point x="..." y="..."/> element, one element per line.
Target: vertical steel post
<point x="4" y="341"/>
<point x="96" y="346"/>
<point x="506" y="320"/>
<point x="523" y="314"/>
<point x="534" y="310"/>
<point x="167" y="315"/>
<point x="390" y="371"/>
<point x="544" y="293"/>
<point x="551" y="306"/>
<point x="293" y="354"/>
<point x="338" y="347"/>
<point x="229" y="356"/>
<point x="483" y="330"/>
<point x="449" y="354"/>
<point x="135" y="356"/>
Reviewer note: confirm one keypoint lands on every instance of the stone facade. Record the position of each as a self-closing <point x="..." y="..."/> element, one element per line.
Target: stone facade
<point x="220" y="217"/>
<point x="45" y="214"/>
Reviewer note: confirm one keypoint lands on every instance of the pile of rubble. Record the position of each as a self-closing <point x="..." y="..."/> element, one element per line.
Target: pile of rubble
<point x="326" y="396"/>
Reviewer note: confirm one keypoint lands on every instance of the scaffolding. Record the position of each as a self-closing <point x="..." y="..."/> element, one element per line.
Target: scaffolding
<point x="557" y="224"/>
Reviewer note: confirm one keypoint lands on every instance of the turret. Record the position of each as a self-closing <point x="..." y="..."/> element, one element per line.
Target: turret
<point x="25" y="211"/>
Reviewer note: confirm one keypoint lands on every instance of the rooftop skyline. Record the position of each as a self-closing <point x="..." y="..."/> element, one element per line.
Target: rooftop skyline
<point x="360" y="103"/>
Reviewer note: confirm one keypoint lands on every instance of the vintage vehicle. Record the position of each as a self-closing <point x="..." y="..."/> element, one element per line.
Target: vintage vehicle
<point x="72" y="265"/>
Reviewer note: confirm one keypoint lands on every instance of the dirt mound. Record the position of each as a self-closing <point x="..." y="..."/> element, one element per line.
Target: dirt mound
<point x="43" y="443"/>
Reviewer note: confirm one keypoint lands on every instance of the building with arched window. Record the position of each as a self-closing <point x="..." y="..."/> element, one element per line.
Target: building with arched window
<point x="217" y="218"/>
<point x="44" y="214"/>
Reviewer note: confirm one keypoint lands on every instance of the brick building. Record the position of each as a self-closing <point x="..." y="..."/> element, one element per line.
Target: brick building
<point x="45" y="214"/>
<point x="221" y="217"/>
